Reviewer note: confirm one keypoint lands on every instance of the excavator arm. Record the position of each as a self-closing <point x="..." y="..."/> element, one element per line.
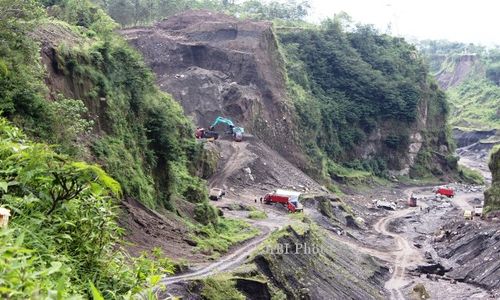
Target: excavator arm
<point x="223" y="121"/>
<point x="237" y="132"/>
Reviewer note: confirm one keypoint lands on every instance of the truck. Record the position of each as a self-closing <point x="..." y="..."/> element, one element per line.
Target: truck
<point x="478" y="210"/>
<point x="412" y="201"/>
<point x="202" y="133"/>
<point x="289" y="199"/>
<point x="448" y="192"/>
<point x="216" y="194"/>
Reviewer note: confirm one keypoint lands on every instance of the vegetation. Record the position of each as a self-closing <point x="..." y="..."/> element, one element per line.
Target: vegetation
<point x="257" y="215"/>
<point x="492" y="195"/>
<point x="220" y="288"/>
<point x="345" y="84"/>
<point x="469" y="175"/>
<point x="63" y="232"/>
<point x="219" y="237"/>
<point x="474" y="104"/>
<point x="473" y="100"/>
<point x="141" y="12"/>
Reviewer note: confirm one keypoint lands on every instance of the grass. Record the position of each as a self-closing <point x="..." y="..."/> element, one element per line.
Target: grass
<point x="217" y="239"/>
<point x="470" y="176"/>
<point x="220" y="287"/>
<point x="347" y="175"/>
<point x="257" y="215"/>
<point x="474" y="104"/>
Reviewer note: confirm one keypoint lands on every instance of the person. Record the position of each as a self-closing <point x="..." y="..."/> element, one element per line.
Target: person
<point x="255" y="200"/>
<point x="260" y="199"/>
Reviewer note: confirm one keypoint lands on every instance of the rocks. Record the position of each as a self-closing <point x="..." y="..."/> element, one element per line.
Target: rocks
<point x="433" y="268"/>
<point x="385" y="204"/>
<point x="473" y="247"/>
<point x="329" y="274"/>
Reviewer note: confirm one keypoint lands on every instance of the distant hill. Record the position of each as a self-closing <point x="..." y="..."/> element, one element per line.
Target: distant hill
<point x="471" y="76"/>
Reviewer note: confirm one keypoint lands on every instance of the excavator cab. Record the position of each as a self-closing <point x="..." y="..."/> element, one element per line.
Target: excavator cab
<point x="238" y="134"/>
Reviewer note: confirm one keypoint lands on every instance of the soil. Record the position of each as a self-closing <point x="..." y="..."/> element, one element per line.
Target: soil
<point x="147" y="229"/>
<point x="462" y="67"/>
<point x="216" y="65"/>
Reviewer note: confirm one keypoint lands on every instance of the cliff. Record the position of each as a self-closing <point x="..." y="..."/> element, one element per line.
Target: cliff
<point x="492" y="195"/>
<point x="214" y="64"/>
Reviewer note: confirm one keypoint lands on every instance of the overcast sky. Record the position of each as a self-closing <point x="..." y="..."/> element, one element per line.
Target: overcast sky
<point x="475" y="21"/>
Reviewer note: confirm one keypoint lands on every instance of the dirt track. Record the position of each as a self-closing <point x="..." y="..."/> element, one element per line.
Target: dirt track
<point x="404" y="254"/>
<point x="226" y="263"/>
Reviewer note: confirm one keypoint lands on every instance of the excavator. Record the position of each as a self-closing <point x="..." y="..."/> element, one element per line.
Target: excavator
<point x="236" y="132"/>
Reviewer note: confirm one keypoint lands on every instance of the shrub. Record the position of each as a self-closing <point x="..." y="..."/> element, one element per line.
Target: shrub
<point x="63" y="232"/>
<point x="257" y="215"/>
<point x="206" y="214"/>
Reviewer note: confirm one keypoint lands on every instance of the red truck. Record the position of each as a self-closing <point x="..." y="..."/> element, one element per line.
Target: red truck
<point x="289" y="199"/>
<point x="446" y="192"/>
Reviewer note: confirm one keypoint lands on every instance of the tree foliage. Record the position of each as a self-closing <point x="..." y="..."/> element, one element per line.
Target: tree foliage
<point x="63" y="231"/>
<point x="138" y="133"/>
<point x="21" y="73"/>
<point x="347" y="83"/>
<point x="140" y="12"/>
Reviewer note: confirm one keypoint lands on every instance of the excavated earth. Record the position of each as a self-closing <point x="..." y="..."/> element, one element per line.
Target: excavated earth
<point x="216" y="65"/>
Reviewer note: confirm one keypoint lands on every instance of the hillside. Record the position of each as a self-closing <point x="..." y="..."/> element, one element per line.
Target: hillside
<point x="492" y="195"/>
<point x="68" y="80"/>
<point x="469" y="74"/>
<point x="270" y="82"/>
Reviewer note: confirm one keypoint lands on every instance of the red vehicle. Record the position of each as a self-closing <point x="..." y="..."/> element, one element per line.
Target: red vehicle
<point x="202" y="133"/>
<point x="446" y="192"/>
<point x="290" y="199"/>
<point x="412" y="202"/>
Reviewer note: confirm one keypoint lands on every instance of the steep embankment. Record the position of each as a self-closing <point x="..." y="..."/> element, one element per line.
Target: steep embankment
<point x="392" y="116"/>
<point x="492" y="195"/>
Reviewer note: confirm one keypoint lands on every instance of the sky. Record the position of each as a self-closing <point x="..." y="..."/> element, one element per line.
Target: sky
<point x="476" y="21"/>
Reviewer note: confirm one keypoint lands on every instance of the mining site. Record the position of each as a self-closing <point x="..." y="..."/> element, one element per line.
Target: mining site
<point x="261" y="150"/>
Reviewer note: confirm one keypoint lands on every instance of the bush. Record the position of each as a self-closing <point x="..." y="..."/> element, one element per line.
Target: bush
<point x="206" y="214"/>
<point x="218" y="288"/>
<point x="63" y="231"/>
<point x="470" y="176"/>
<point x="218" y="238"/>
<point x="257" y="215"/>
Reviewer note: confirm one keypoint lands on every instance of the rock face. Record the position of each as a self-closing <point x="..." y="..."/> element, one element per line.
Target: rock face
<point x="216" y="65"/>
<point x="456" y="70"/>
<point x="466" y="138"/>
<point x="492" y="195"/>
<point x="473" y="247"/>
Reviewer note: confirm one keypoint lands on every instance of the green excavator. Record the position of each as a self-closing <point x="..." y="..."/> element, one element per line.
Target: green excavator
<point x="235" y="131"/>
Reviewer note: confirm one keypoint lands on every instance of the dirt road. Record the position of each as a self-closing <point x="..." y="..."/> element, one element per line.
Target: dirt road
<point x="405" y="254"/>
<point x="460" y="200"/>
<point x="226" y="263"/>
